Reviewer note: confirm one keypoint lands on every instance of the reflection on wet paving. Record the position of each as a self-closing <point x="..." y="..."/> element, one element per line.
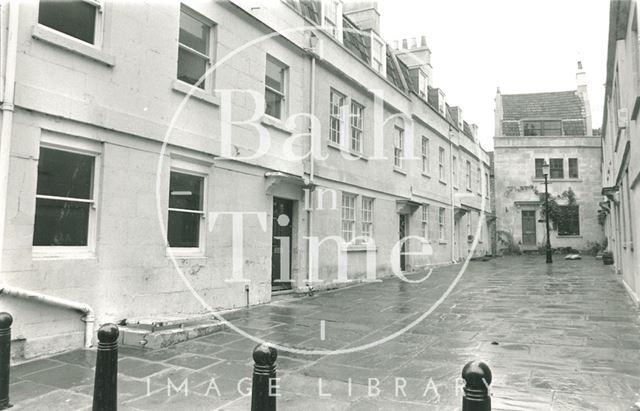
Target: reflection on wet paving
<point x="562" y="337"/>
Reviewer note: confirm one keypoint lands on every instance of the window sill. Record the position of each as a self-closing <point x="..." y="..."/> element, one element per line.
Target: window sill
<point x="569" y="236"/>
<point x="71" y="44"/>
<point x="399" y="170"/>
<point x="352" y="248"/>
<point x="442" y="242"/>
<point x="185" y="253"/>
<point x="442" y="182"/>
<point x="426" y="175"/>
<point x="195" y="92"/>
<point x="335" y="146"/>
<point x="558" y="180"/>
<point x="44" y="254"/>
<point x="469" y="190"/>
<point x="275" y="123"/>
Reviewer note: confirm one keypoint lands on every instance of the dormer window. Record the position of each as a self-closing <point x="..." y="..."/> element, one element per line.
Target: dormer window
<point x="423" y="83"/>
<point x="378" y="55"/>
<point x="332" y="18"/>
<point x="542" y="128"/>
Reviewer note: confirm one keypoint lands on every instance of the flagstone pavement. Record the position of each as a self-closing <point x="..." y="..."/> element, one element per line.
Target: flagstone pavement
<point x="563" y="336"/>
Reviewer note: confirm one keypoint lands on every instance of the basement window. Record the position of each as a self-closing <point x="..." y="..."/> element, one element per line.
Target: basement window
<point x="80" y="19"/>
<point x="65" y="215"/>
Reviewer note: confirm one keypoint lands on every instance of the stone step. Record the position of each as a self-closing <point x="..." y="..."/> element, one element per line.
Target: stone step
<point x="144" y="335"/>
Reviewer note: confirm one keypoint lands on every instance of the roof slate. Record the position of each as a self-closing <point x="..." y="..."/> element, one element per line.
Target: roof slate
<point x="553" y="105"/>
<point x="356" y="41"/>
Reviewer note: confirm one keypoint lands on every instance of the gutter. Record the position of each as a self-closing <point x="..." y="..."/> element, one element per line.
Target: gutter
<point x="88" y="318"/>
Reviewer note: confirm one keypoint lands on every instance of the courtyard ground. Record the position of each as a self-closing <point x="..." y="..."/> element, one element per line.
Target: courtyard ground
<point x="563" y="336"/>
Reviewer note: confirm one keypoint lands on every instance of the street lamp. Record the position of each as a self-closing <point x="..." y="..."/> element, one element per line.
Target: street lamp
<point x="545" y="171"/>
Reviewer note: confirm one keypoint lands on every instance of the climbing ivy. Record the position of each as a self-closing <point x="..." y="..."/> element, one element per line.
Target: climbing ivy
<point x="556" y="211"/>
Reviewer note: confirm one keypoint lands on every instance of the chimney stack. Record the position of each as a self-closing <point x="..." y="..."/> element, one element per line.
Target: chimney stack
<point x="364" y="13"/>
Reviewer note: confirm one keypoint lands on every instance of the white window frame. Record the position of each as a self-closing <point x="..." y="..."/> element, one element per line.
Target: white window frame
<point x="424" y="148"/>
<point x="284" y="103"/>
<point x="338" y="116"/>
<point x="366" y="217"/>
<point x="487" y="188"/>
<point x="357" y="127"/>
<point x="441" y="171"/>
<point x="468" y="174"/>
<point x="199" y="170"/>
<point x="425" y="222"/>
<point x="398" y="147"/>
<point x="479" y="180"/>
<point x="334" y="29"/>
<point x="352" y="218"/>
<point x="442" y="219"/>
<point x="211" y="57"/>
<point x="78" y="146"/>
<point x="379" y="65"/>
<point x="454" y="171"/>
<point x="98" y="29"/>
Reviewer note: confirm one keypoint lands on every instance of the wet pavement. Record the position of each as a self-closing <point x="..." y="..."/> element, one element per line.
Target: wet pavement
<point x="562" y="337"/>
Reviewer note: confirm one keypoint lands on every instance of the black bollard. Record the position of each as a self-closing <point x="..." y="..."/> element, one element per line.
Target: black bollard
<point x="105" y="388"/>
<point x="5" y="358"/>
<point x="264" y="372"/>
<point x="477" y="376"/>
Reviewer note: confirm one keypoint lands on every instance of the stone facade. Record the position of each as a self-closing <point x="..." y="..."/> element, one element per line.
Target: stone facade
<point x="522" y="144"/>
<point x="118" y="102"/>
<point x="621" y="151"/>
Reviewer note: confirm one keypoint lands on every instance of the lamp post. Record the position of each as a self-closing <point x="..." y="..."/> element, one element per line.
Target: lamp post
<point x="545" y="171"/>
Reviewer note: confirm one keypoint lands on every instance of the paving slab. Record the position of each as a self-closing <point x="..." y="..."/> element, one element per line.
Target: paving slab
<point x="557" y="337"/>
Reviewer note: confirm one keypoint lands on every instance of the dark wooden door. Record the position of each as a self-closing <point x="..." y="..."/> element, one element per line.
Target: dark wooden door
<point x="528" y="227"/>
<point x="281" y="243"/>
<point x="402" y="234"/>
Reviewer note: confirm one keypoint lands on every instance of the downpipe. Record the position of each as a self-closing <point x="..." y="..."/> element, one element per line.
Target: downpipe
<point x="89" y="317"/>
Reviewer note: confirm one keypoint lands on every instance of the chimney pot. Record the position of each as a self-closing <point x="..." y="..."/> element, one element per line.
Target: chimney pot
<point x="423" y="41"/>
<point x="414" y="43"/>
<point x="404" y="44"/>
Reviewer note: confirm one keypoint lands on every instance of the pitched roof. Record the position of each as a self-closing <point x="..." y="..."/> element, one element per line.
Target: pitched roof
<point x="553" y="105"/>
<point x="356" y="41"/>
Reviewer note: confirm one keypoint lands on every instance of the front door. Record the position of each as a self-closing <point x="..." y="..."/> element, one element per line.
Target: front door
<point x="281" y="244"/>
<point x="402" y="233"/>
<point x="528" y="227"/>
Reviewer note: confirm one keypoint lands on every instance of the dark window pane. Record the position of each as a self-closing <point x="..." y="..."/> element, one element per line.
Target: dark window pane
<point x="573" y="168"/>
<point x="532" y="128"/>
<point x="272" y="103"/>
<point x="183" y="229"/>
<point x="569" y="220"/>
<point x="185" y="191"/>
<point x="73" y="17"/>
<point x="556" y="168"/>
<point x="274" y="76"/>
<point x="191" y="67"/>
<point x="60" y="223"/>
<point x="552" y="128"/>
<point x="194" y="33"/>
<point x="65" y="174"/>
<point x="539" y="170"/>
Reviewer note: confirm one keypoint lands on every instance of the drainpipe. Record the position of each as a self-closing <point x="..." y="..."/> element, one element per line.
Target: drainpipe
<point x="454" y="239"/>
<point x="7" y="116"/>
<point x="7" y="109"/>
<point x="312" y="95"/>
<point x="88" y="318"/>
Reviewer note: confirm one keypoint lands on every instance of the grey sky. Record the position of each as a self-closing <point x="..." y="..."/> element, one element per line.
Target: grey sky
<point x="520" y="45"/>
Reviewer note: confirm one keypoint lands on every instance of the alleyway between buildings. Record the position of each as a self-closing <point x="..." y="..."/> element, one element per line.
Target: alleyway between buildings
<point x="562" y="336"/>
